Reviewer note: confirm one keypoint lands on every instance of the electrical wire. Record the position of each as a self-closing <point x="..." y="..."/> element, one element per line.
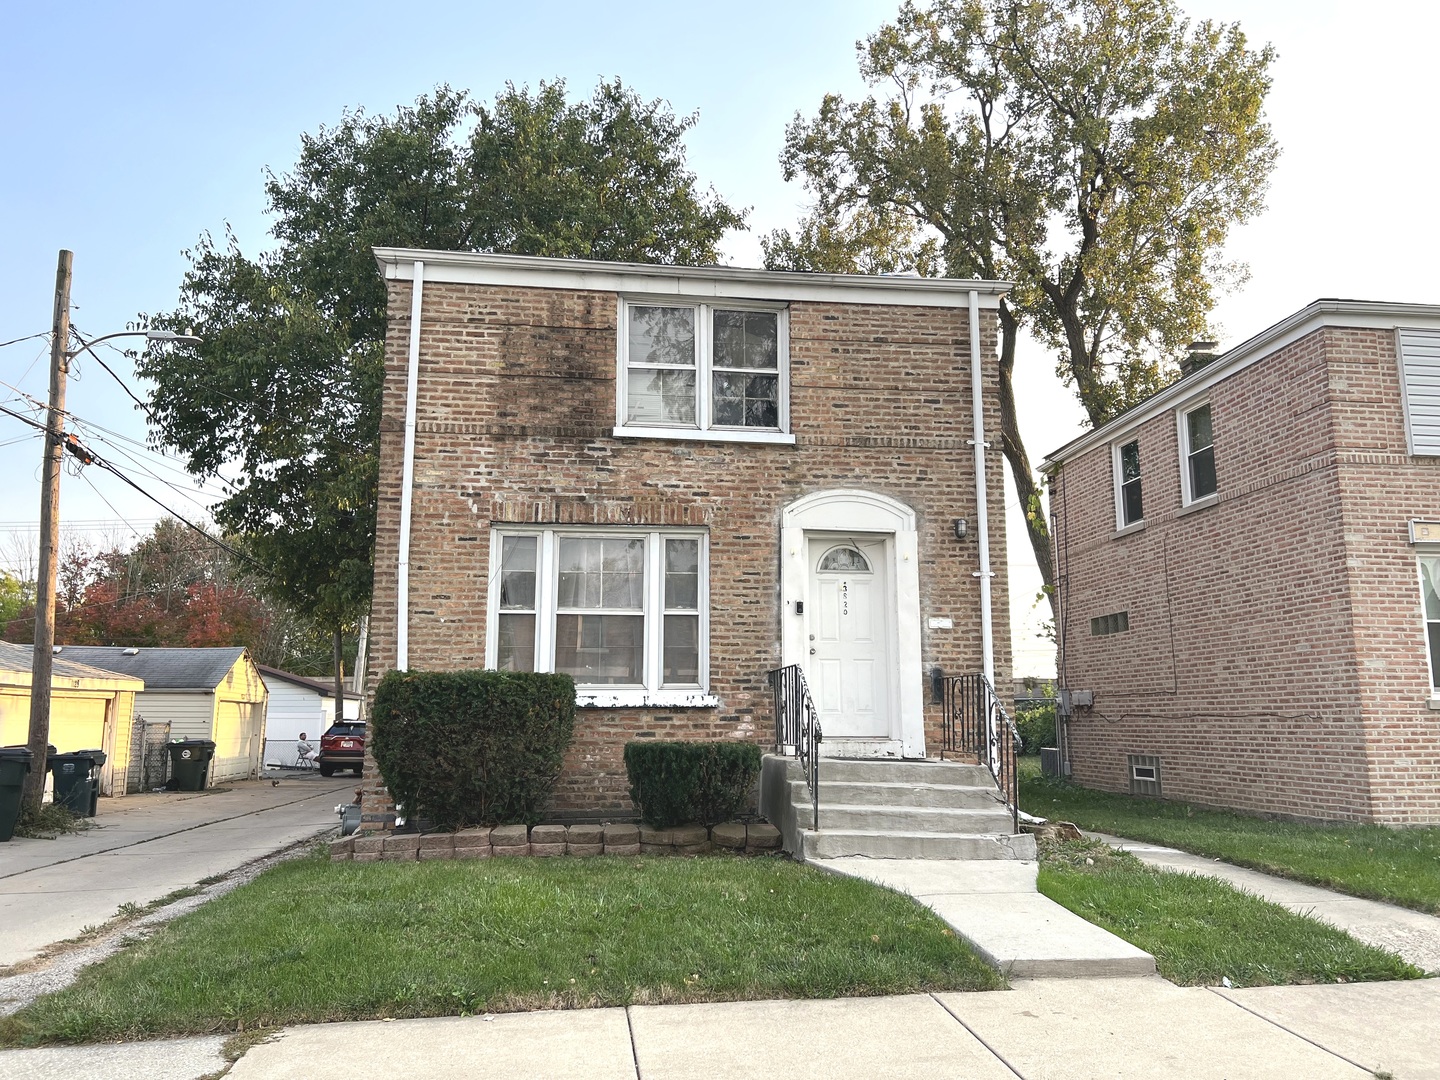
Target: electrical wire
<point x="27" y="337"/>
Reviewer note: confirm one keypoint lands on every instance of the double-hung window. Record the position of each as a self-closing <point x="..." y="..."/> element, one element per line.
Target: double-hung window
<point x="1129" y="508"/>
<point x="1430" y="602"/>
<point x="1197" y="454"/>
<point x="620" y="610"/>
<point x="720" y="369"/>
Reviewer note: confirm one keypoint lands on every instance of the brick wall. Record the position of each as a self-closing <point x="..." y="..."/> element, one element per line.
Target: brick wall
<point x="1275" y="658"/>
<point x="516" y="406"/>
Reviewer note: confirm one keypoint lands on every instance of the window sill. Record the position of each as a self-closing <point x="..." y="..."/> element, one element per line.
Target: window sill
<point x="1133" y="527"/>
<point x="645" y="699"/>
<point x="1199" y="504"/>
<point x="776" y="438"/>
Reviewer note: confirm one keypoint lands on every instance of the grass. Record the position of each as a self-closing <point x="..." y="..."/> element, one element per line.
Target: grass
<point x="312" y="940"/>
<point x="1202" y="931"/>
<point x="1401" y="866"/>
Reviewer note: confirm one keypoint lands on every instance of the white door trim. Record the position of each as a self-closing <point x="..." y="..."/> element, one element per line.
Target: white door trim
<point x="848" y="510"/>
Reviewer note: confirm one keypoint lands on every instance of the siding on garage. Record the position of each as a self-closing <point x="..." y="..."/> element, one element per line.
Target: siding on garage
<point x="239" y="723"/>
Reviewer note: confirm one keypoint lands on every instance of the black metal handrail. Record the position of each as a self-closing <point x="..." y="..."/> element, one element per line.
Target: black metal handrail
<point x="976" y="724"/>
<point x="797" y="729"/>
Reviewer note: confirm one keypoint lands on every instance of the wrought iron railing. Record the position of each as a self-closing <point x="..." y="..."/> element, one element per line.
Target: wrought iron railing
<point x="797" y="729"/>
<point x="975" y="724"/>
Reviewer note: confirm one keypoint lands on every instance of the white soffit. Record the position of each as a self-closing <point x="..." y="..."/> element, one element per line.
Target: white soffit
<point x="698" y="282"/>
<point x="1356" y="314"/>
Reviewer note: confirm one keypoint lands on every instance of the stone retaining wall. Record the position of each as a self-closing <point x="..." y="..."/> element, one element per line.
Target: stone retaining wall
<point x="542" y="840"/>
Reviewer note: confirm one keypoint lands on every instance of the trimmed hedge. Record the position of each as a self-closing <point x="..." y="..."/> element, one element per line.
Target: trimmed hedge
<point x="677" y="783"/>
<point x="472" y="747"/>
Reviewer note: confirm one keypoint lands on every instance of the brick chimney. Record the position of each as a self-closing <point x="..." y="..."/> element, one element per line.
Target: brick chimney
<point x="1197" y="355"/>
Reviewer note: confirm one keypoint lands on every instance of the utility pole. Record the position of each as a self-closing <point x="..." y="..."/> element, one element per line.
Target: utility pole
<point x="49" y="540"/>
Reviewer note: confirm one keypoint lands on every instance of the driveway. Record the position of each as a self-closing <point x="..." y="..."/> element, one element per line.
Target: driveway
<point x="144" y="847"/>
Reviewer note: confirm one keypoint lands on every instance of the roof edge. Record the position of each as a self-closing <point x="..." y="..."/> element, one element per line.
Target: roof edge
<point x="1321" y="313"/>
<point x="485" y="268"/>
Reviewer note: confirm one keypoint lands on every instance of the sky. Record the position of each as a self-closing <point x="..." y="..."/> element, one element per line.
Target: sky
<point x="130" y="129"/>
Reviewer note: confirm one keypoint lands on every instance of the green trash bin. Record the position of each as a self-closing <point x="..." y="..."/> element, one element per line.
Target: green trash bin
<point x="189" y="764"/>
<point x="77" y="780"/>
<point x="14" y="767"/>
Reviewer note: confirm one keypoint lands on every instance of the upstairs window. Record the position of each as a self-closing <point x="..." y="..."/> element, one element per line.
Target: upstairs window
<point x="715" y="368"/>
<point x="1128" y="505"/>
<point x="1197" y="451"/>
<point x="1430" y="603"/>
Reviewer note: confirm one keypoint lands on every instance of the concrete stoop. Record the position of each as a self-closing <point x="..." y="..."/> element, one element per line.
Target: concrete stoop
<point x="891" y="810"/>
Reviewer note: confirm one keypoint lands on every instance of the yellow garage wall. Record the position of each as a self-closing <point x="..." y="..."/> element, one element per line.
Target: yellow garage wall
<point x="239" y="723"/>
<point x="77" y="722"/>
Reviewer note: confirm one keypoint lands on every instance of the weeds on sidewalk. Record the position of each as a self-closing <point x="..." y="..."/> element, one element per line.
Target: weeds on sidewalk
<point x="49" y="822"/>
<point x="448" y="938"/>
<point x="1202" y="931"/>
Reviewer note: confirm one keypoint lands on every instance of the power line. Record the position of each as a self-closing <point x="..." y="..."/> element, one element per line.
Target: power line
<point x="27" y="337"/>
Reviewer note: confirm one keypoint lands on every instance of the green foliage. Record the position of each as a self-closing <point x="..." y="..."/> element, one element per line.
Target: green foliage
<point x="287" y="383"/>
<point x="15" y="595"/>
<point x="441" y="938"/>
<point x="472" y="747"/>
<point x="1036" y="724"/>
<point x="1201" y="930"/>
<point x="677" y="783"/>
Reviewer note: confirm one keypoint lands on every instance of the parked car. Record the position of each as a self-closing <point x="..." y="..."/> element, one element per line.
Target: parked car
<point x="342" y="747"/>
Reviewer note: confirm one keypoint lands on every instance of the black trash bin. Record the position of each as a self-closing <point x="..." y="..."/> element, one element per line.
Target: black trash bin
<point x="189" y="763"/>
<point x="14" y="767"/>
<point x="77" y="780"/>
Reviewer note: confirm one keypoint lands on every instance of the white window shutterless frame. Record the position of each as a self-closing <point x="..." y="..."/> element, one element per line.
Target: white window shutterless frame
<point x="701" y="371"/>
<point x="628" y="606"/>
<point x="1196" y="438"/>
<point x="1129" y="505"/>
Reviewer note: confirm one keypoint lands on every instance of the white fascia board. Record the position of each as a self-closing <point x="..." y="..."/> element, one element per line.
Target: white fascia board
<point x="1352" y="314"/>
<point x="698" y="282"/>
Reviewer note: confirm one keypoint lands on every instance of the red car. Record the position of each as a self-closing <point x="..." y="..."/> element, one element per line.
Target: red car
<point x="342" y="747"/>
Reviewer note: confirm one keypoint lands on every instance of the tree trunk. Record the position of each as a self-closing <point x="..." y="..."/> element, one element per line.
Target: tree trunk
<point x="339" y="675"/>
<point x="1036" y="526"/>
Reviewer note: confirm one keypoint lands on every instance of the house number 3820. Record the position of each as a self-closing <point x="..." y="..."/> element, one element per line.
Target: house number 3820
<point x="844" y="598"/>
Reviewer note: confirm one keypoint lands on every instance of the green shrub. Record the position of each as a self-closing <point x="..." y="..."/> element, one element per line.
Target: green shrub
<point x="1037" y="726"/>
<point x="676" y="783"/>
<point x="472" y="747"/>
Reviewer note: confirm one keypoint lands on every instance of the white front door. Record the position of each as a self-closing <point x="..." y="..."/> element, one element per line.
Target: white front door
<point x="849" y="662"/>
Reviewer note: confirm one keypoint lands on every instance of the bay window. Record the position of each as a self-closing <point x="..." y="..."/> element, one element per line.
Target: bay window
<point x="620" y="610"/>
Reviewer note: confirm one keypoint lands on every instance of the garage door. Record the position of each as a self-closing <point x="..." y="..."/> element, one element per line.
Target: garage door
<point x="237" y="741"/>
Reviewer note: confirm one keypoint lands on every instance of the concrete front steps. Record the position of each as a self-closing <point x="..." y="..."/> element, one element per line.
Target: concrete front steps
<point x="891" y="810"/>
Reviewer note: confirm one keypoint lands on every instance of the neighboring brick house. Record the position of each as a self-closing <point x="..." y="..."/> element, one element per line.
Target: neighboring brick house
<point x="1247" y="584"/>
<point x="642" y="475"/>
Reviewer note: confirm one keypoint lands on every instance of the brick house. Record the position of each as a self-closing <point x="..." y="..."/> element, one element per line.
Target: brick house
<point x="1247" y="583"/>
<point x="667" y="481"/>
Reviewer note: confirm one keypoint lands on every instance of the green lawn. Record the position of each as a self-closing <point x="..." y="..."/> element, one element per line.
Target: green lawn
<point x="313" y="940"/>
<point x="1401" y="866"/>
<point x="1200" y="930"/>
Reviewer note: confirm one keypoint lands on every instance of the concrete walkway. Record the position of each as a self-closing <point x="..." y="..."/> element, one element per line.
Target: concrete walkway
<point x="994" y="905"/>
<point x="146" y="846"/>
<point x="1411" y="935"/>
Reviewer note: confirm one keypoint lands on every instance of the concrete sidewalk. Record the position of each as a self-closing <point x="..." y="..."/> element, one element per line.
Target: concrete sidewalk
<point x="1040" y="1030"/>
<point x="994" y="905"/>
<point x="146" y="846"/>
<point x="1411" y="935"/>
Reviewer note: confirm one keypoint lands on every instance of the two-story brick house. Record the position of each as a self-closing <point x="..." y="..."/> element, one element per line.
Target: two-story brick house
<point x="667" y="481"/>
<point x="1247" y="586"/>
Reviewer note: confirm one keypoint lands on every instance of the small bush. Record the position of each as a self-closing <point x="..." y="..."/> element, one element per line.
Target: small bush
<point x="1036" y="725"/>
<point x="676" y="783"/>
<point x="472" y="747"/>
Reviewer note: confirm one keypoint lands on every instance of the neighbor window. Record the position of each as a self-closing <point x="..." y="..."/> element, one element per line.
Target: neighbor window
<point x="1430" y="597"/>
<point x="703" y="367"/>
<point x="1198" y="452"/>
<point x="609" y="607"/>
<point x="1129" y="508"/>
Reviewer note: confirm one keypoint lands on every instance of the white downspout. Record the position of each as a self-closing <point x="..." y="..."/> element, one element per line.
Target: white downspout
<point x="407" y="476"/>
<point x="982" y="514"/>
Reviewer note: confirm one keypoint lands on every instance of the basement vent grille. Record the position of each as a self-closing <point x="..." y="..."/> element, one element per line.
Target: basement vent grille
<point x="1144" y="774"/>
<point x="1116" y="623"/>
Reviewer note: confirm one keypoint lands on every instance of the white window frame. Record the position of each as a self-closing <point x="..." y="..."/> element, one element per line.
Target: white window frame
<point x="1182" y="429"/>
<point x="652" y="692"/>
<point x="703" y="429"/>
<point x="1426" y="553"/>
<point x="1117" y="465"/>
